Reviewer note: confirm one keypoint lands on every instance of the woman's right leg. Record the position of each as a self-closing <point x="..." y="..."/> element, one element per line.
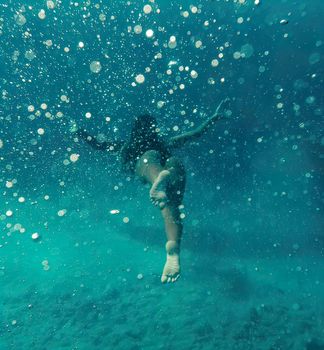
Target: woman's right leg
<point x="172" y="219"/>
<point x="150" y="169"/>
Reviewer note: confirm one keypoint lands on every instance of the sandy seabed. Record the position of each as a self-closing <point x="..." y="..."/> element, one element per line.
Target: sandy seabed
<point x="108" y="295"/>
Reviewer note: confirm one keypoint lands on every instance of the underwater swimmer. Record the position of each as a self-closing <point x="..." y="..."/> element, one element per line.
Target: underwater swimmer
<point x="150" y="158"/>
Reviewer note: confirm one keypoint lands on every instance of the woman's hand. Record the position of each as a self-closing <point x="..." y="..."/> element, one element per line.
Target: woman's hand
<point x="219" y="113"/>
<point x="73" y="126"/>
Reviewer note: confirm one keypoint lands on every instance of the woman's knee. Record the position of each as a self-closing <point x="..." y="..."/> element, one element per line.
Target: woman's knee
<point x="177" y="170"/>
<point x="172" y="162"/>
<point x="175" y="163"/>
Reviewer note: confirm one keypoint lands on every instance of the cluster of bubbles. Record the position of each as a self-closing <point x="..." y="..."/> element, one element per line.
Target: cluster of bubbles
<point x="183" y="73"/>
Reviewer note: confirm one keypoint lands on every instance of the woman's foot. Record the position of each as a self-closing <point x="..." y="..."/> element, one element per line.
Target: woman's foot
<point x="171" y="271"/>
<point x="158" y="190"/>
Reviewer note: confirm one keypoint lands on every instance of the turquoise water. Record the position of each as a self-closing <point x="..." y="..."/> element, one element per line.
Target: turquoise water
<point x="252" y="250"/>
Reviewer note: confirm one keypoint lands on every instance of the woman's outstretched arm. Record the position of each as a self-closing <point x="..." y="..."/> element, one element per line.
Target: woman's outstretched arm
<point x="180" y="140"/>
<point x="111" y="146"/>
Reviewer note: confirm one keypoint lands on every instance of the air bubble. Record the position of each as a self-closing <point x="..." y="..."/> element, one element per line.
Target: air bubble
<point x="95" y="66"/>
<point x="61" y="212"/>
<point x="284" y="22"/>
<point x="74" y="157"/>
<point x="138" y="29"/>
<point x="147" y="9"/>
<point x="140" y="79"/>
<point x="20" y="19"/>
<point x="30" y="55"/>
<point x="160" y="104"/>
<point x="102" y="17"/>
<point x="198" y="44"/>
<point x="41" y="14"/>
<point x="193" y="74"/>
<point x="35" y="236"/>
<point x="215" y="62"/>
<point x="50" y="4"/>
<point x="114" y="211"/>
<point x="9" y="213"/>
<point x="172" y="42"/>
<point x="149" y="33"/>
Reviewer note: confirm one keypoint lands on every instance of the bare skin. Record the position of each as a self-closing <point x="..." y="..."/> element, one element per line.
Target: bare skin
<point x="167" y="186"/>
<point x="166" y="192"/>
<point x="158" y="190"/>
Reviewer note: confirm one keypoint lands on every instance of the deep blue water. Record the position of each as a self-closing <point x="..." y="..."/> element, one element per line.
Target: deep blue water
<point x="252" y="250"/>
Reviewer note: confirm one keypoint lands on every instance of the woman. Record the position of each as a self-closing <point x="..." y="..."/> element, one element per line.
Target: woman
<point x="149" y="157"/>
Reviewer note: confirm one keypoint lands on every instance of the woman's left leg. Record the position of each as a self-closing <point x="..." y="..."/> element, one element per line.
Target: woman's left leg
<point x="172" y="220"/>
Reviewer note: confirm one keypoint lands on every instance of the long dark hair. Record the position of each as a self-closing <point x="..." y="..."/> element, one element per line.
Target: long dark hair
<point x="144" y="137"/>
